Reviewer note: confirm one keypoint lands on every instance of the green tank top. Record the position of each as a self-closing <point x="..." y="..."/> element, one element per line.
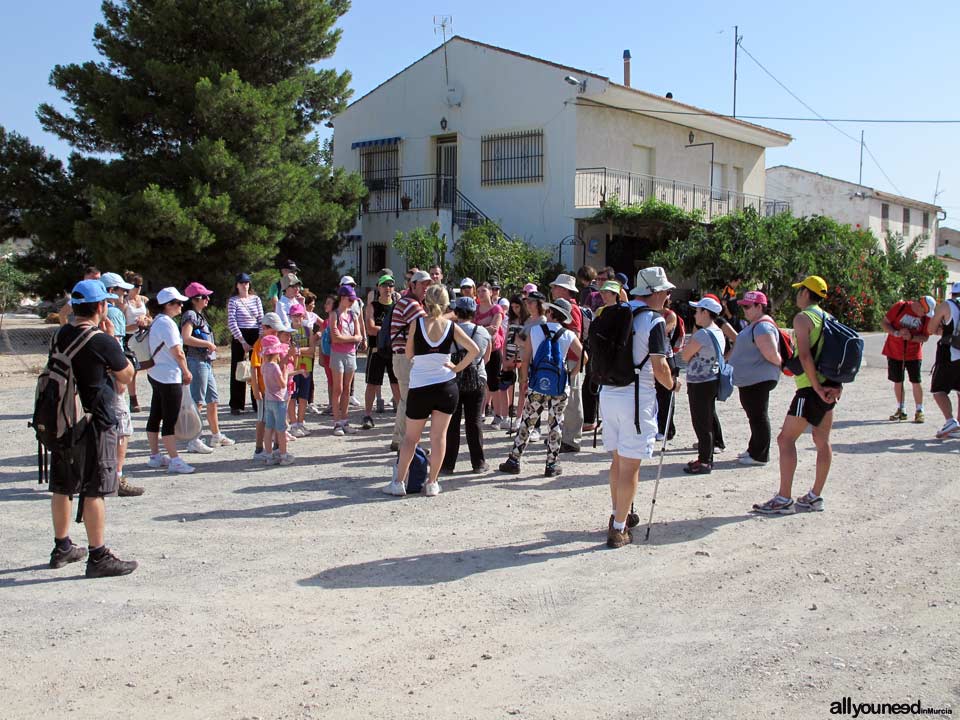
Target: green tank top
<point x="817" y="319"/>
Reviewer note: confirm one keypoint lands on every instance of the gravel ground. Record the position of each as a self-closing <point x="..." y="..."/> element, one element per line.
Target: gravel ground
<point x="303" y="592"/>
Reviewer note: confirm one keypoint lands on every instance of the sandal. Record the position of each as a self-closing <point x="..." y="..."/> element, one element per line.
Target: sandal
<point x="698" y="468"/>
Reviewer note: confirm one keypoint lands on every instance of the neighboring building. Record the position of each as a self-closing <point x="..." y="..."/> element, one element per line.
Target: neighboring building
<point x="471" y="131"/>
<point x="948" y="250"/>
<point x="811" y="193"/>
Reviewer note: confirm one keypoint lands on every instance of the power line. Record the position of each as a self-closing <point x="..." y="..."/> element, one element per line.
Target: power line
<point x="877" y="163"/>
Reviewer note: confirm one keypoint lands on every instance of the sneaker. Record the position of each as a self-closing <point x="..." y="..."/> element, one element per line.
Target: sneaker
<point x="659" y="437"/>
<point x="514" y="424"/>
<point x="698" y="468"/>
<point x="198" y="446"/>
<point x="259" y="455"/>
<point x="810" y="503"/>
<point x="482" y="468"/>
<point x="284" y="459"/>
<point x="588" y="427"/>
<point x="899" y="415"/>
<point x="109" y="565"/>
<point x="948" y="429"/>
<point x="380" y="406"/>
<point x="128" y="490"/>
<point x="158" y="461"/>
<point x="775" y="506"/>
<point x="534" y="436"/>
<point x="291" y="437"/>
<point x="496" y="422"/>
<point x="748" y="461"/>
<point x="395" y="488"/>
<point x="505" y="423"/>
<point x="431" y="489"/>
<point x="511" y="466"/>
<point x="354" y="402"/>
<point x="338" y="430"/>
<point x="569" y="448"/>
<point x="59" y="558"/>
<point x="918" y="417"/>
<point x="618" y="538"/>
<point x="744" y="454"/>
<point x="349" y="429"/>
<point x="367" y="422"/>
<point x="177" y="465"/>
<point x="297" y="430"/>
<point x="328" y="410"/>
<point x="271" y="458"/>
<point x="221" y="440"/>
<point x="552" y="470"/>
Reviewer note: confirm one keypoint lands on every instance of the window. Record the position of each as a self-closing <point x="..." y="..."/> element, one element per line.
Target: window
<point x="884" y="217"/>
<point x="926" y="223"/>
<point x="376" y="257"/>
<point x="508" y="158"/>
<point x="380" y="167"/>
<point x="643" y="160"/>
<point x="906" y="222"/>
<point x="716" y="180"/>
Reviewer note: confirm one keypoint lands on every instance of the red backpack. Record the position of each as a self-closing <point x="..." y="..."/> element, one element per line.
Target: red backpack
<point x="785" y="343"/>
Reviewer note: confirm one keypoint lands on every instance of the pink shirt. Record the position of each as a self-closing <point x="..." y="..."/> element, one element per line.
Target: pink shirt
<point x="274" y="386"/>
<point x="346" y="325"/>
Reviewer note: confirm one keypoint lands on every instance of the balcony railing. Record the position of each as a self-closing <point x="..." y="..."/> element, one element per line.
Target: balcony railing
<point x="410" y="192"/>
<point x="594" y="185"/>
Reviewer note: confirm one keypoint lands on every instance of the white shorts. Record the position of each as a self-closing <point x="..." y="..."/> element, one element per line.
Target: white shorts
<point x="619" y="427"/>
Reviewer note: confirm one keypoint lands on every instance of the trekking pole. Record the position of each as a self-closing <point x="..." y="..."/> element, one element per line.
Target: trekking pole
<point x="663" y="451"/>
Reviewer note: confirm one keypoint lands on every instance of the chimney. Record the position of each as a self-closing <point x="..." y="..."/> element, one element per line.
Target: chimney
<point x="626" y="68"/>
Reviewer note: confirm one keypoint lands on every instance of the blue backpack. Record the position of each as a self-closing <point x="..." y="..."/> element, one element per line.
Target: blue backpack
<point x="548" y="373"/>
<point x="725" y="375"/>
<point x="418" y="472"/>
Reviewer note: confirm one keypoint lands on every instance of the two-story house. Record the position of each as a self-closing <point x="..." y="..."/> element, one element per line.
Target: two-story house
<point x="811" y="193"/>
<point x="472" y="131"/>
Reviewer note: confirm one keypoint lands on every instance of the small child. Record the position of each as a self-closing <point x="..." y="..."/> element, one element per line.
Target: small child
<point x="275" y="400"/>
<point x="302" y="373"/>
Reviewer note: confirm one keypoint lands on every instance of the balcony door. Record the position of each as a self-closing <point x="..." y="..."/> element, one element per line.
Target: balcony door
<point x="446" y="169"/>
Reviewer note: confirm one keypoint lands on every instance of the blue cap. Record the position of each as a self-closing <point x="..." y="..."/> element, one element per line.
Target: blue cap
<point x="622" y="279"/>
<point x="243" y="277"/>
<point x="112" y="280"/>
<point x="89" y="291"/>
<point x="466" y="303"/>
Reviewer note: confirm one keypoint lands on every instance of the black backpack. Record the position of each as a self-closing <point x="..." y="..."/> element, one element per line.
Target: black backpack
<point x="468" y="379"/>
<point x="611" y="345"/>
<point x="384" y="339"/>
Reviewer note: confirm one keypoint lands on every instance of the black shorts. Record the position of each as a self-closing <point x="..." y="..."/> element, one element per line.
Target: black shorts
<point x="946" y="373"/>
<point x="379" y="363"/>
<point x="493" y="370"/>
<point x="895" y="370"/>
<point x="810" y="406"/>
<point x="440" y="397"/>
<point x="90" y="469"/>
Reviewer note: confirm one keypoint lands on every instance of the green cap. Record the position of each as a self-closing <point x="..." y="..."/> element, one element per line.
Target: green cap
<point x="612" y="286"/>
<point x="386" y="279"/>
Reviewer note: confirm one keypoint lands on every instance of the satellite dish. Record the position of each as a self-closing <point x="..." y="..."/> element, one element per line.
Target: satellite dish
<point x="454" y="97"/>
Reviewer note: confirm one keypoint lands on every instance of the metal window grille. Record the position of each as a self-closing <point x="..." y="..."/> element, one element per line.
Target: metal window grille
<point x="906" y="222"/>
<point x="507" y="158"/>
<point x="376" y="257"/>
<point x="380" y="167"/>
<point x="884" y="217"/>
<point x="926" y="222"/>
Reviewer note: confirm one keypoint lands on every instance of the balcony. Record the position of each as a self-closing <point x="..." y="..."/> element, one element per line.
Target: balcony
<point x="410" y="192"/>
<point x="595" y="185"/>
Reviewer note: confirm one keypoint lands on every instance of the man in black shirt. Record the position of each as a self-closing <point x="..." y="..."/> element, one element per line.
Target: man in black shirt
<point x="90" y="469"/>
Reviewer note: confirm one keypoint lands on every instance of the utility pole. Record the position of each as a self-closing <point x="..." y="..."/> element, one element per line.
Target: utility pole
<point x="937" y="192"/>
<point x="860" y="181"/>
<point x="736" y="52"/>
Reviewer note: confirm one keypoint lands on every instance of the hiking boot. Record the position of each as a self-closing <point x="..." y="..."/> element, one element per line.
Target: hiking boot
<point x="918" y="417"/>
<point x="128" y="490"/>
<point x="810" y="503"/>
<point x="552" y="470"/>
<point x="198" y="446"/>
<point x="776" y="506"/>
<point x="632" y="521"/>
<point x="109" y="565"/>
<point x="950" y="427"/>
<point x="511" y="466"/>
<point x="698" y="468"/>
<point x="568" y="448"/>
<point x="367" y="422"/>
<point x="618" y="538"/>
<point x="899" y="415"/>
<point x="59" y="558"/>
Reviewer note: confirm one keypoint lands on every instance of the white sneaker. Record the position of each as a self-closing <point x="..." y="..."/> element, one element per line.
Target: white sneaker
<point x="338" y="430"/>
<point x="948" y="429"/>
<point x="291" y="437"/>
<point x="431" y="489"/>
<point x="505" y="424"/>
<point x="748" y="461"/>
<point x="198" y="446"/>
<point x="349" y="429"/>
<point x="394" y="488"/>
<point x="495" y="423"/>
<point x="284" y="459"/>
<point x="745" y="453"/>
<point x="158" y="461"/>
<point x="297" y="430"/>
<point x="221" y="440"/>
<point x="260" y="455"/>
<point x="514" y="424"/>
<point x="177" y="465"/>
<point x="534" y="436"/>
<point x="354" y="402"/>
<point x="271" y="458"/>
<point x="659" y="437"/>
<point x="315" y="409"/>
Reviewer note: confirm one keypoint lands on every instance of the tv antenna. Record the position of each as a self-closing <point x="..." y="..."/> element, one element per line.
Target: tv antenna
<point x="442" y="23"/>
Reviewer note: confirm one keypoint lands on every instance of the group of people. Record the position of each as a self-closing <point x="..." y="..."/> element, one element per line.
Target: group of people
<point x="450" y="359"/>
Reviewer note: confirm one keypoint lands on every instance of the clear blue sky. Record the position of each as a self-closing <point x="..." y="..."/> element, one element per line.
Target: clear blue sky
<point x="848" y="60"/>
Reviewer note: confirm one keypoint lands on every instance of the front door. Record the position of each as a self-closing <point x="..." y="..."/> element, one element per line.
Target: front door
<point x="446" y="169"/>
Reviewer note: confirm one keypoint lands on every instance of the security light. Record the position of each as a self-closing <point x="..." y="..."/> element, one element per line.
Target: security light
<point x="571" y="80"/>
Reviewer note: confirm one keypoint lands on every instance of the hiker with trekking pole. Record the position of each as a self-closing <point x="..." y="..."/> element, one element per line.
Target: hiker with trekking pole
<point x="630" y="354"/>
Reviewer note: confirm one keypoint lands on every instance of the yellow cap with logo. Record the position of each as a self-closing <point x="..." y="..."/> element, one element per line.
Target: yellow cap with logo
<point x="815" y="284"/>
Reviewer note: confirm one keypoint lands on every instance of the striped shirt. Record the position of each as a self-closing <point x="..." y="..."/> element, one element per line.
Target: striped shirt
<point x="243" y="313"/>
<point x="405" y="311"/>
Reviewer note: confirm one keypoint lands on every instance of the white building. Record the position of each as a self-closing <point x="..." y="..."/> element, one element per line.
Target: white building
<point x="948" y="250"/>
<point x="811" y="193"/>
<point x="472" y="130"/>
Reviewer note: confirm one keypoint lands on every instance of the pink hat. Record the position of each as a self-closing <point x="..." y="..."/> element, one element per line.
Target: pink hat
<point x="271" y="345"/>
<point x="195" y="289"/>
<point x="529" y="288"/>
<point x="297" y="309"/>
<point x="754" y="297"/>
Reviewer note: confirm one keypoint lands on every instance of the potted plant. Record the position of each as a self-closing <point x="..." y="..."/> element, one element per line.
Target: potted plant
<point x="405" y="202"/>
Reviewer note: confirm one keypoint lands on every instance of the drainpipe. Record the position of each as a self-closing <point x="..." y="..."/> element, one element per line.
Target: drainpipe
<point x="626" y="68"/>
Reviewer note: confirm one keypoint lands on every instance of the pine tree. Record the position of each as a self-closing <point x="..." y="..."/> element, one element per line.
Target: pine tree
<point x="198" y="125"/>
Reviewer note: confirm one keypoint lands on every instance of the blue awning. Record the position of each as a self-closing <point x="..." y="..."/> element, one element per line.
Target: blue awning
<point x="381" y="141"/>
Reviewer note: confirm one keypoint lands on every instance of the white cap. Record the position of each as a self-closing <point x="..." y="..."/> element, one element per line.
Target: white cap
<point x="708" y="303"/>
<point x="168" y="294"/>
<point x="347" y="280"/>
<point x="467" y="282"/>
<point x="955" y="290"/>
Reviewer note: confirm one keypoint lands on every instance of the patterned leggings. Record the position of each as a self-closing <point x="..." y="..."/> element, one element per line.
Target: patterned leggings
<point x="534" y="405"/>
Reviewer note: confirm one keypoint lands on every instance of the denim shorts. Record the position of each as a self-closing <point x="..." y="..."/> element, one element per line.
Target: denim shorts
<point x="203" y="387"/>
<point x="275" y="415"/>
<point x="343" y="363"/>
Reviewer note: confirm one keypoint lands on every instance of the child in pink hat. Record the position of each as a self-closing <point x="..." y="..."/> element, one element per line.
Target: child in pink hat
<point x="275" y="399"/>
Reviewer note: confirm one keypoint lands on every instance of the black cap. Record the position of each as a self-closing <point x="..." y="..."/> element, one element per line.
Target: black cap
<point x="242" y="278"/>
<point x="288" y="265"/>
<point x="495" y="282"/>
<point x="536" y="295"/>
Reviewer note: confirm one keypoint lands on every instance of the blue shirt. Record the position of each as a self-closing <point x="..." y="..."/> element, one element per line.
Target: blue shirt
<point x="119" y="322"/>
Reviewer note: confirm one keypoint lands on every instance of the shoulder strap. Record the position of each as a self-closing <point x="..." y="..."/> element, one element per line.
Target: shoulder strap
<point x="79" y="342"/>
<point x="716" y="346"/>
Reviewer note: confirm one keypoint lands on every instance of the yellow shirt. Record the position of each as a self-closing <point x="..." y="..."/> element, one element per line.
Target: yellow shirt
<point x="256" y="360"/>
<point x="817" y="319"/>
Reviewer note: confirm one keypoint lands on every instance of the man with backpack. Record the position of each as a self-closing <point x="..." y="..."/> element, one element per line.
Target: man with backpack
<point x="906" y="326"/>
<point x="84" y="445"/>
<point x="565" y="288"/>
<point x="812" y="404"/>
<point x="545" y="369"/>
<point x="405" y="310"/>
<point x="630" y="350"/>
<point x="946" y="371"/>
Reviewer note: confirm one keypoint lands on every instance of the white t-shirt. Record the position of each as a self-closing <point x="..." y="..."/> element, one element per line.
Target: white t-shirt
<point x="165" y="369"/>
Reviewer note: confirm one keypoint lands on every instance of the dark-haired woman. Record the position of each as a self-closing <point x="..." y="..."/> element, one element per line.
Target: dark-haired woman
<point x="702" y="353"/>
<point x="244" y="312"/>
